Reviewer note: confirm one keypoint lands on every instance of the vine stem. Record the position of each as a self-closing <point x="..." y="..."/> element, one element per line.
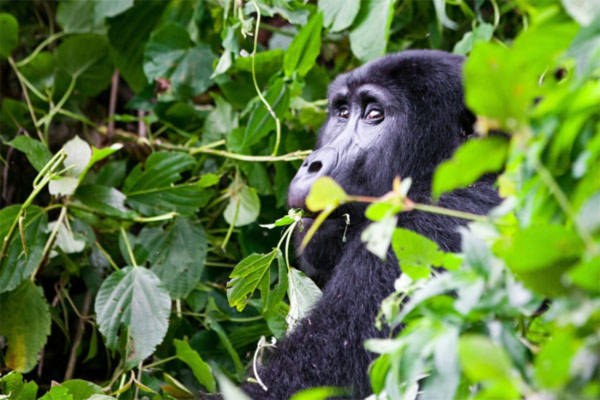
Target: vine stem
<point x="40" y="181"/>
<point x="128" y="245"/>
<point x="258" y="91"/>
<point x="50" y="241"/>
<point x="20" y="78"/>
<point x="40" y="47"/>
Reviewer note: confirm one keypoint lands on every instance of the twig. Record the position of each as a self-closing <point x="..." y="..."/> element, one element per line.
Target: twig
<point x="87" y="301"/>
<point x="141" y="124"/>
<point x="112" y="103"/>
<point x="50" y="241"/>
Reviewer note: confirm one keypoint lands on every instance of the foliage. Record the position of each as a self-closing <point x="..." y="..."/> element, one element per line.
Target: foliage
<point x="143" y="142"/>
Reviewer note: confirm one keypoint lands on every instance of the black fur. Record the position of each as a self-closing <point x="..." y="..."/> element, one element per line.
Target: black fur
<point x="424" y="121"/>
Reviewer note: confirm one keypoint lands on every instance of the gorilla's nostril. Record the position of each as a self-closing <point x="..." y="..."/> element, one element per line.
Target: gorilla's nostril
<point x="315" y="166"/>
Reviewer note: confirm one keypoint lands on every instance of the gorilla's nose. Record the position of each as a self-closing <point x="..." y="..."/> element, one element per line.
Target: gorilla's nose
<point x="319" y="163"/>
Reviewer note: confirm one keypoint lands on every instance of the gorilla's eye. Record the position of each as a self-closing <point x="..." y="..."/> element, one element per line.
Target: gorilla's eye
<point x="344" y="112"/>
<point x="374" y="115"/>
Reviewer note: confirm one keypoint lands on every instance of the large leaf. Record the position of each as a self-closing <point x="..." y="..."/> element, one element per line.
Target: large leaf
<point x="25" y="323"/>
<point x="339" y="15"/>
<point x="128" y="33"/>
<point x="246" y="277"/>
<point x="481" y="359"/>
<point x="303" y="294"/>
<point x="104" y="200"/>
<point x="19" y="263"/>
<point x="468" y="164"/>
<point x="168" y="55"/>
<point x="243" y="207"/>
<point x="85" y="57"/>
<point x="371" y="29"/>
<point x="37" y="154"/>
<point x="76" y="16"/>
<point x="301" y="54"/>
<point x="416" y="254"/>
<point x="133" y="299"/>
<point x="9" y="34"/>
<point x="200" y="368"/>
<point x="150" y="189"/>
<point x="177" y="254"/>
<point x="325" y="192"/>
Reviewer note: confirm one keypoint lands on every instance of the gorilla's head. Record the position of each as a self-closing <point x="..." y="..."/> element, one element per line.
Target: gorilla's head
<point x="400" y="115"/>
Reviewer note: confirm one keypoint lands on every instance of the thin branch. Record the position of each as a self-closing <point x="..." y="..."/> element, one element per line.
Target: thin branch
<point x="112" y="103"/>
<point x="87" y="301"/>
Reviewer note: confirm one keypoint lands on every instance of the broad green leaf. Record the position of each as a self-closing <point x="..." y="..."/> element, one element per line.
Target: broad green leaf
<point x="76" y="16"/>
<point x="553" y="362"/>
<point x="169" y="55"/>
<point x="301" y="54"/>
<point x="473" y="159"/>
<point x="200" y="368"/>
<point x="325" y="192"/>
<point x="444" y="379"/>
<point x="303" y="294"/>
<point x="37" y="154"/>
<point x="111" y="8"/>
<point x="220" y="121"/>
<point x="12" y="383"/>
<point x="380" y="210"/>
<point x="482" y="33"/>
<point x="416" y="254"/>
<point x="371" y="29"/>
<point x="246" y="277"/>
<point x="133" y="300"/>
<point x="266" y="63"/>
<point x="128" y="34"/>
<point x="176" y="255"/>
<point x="25" y="323"/>
<point x="104" y="200"/>
<point x="261" y="122"/>
<point x="338" y="15"/>
<point x="243" y="206"/>
<point x="482" y="360"/>
<point x="378" y="236"/>
<point x="585" y="48"/>
<point x="58" y="392"/>
<point x="18" y="264"/>
<point x="160" y="169"/>
<point x="9" y="34"/>
<point x="80" y="389"/>
<point x="540" y="254"/>
<point x="378" y="371"/>
<point x="85" y="58"/>
<point x="587" y="275"/>
<point x="318" y="393"/>
<point x="41" y="71"/>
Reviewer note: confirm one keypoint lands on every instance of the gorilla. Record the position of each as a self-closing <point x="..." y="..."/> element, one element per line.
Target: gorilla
<point x="400" y="115"/>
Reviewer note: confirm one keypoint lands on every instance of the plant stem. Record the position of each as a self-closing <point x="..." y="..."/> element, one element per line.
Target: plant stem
<point x="451" y="213"/>
<point x="50" y="241"/>
<point x="128" y="245"/>
<point x="40" y="47"/>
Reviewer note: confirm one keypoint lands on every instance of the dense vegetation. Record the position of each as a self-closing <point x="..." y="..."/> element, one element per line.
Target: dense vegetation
<point x="145" y="153"/>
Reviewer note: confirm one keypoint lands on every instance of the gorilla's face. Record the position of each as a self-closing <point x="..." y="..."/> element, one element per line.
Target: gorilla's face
<point x="399" y="115"/>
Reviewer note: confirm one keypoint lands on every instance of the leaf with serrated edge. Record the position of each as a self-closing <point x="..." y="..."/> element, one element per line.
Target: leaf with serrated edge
<point x="133" y="298"/>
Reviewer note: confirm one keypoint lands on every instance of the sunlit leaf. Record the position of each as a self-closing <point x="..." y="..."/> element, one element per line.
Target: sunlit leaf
<point x="323" y="193"/>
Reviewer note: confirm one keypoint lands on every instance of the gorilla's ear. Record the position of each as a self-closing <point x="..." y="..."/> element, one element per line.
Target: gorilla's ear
<point x="467" y="124"/>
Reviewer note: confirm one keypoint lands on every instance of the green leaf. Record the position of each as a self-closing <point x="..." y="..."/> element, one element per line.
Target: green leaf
<point x="169" y="55"/>
<point x="41" y="71"/>
<point x="128" y="33"/>
<point x="19" y="264"/>
<point x="243" y="206"/>
<point x="416" y="254"/>
<point x="473" y="159"/>
<point x="303" y="294"/>
<point x="588" y="216"/>
<point x="76" y="16"/>
<point x="12" y="383"/>
<point x="246" y="277"/>
<point x="37" y="154"/>
<point x="220" y="121"/>
<point x="229" y="390"/>
<point x="9" y="34"/>
<point x="133" y="299"/>
<point x="80" y="389"/>
<point x="324" y="193"/>
<point x="111" y="8"/>
<point x="378" y="236"/>
<point x="482" y="360"/>
<point x="587" y="275"/>
<point x="301" y="54"/>
<point x="104" y="200"/>
<point x="318" y="393"/>
<point x="482" y="33"/>
<point x="177" y="255"/>
<point x="25" y="323"/>
<point x="57" y="393"/>
<point x="585" y="48"/>
<point x="261" y="122"/>
<point x="553" y="362"/>
<point x="339" y="15"/>
<point x="371" y="29"/>
<point x="540" y="254"/>
<point x="201" y="369"/>
<point x="85" y="58"/>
